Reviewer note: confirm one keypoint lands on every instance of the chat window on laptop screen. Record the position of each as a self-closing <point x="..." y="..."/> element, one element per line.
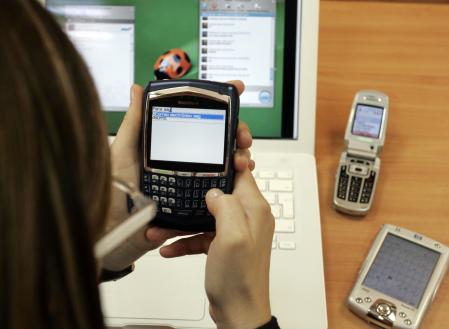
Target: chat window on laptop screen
<point x="121" y="40"/>
<point x="237" y="42"/>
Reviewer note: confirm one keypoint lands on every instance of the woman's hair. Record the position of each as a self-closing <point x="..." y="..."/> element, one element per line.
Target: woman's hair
<point x="54" y="175"/>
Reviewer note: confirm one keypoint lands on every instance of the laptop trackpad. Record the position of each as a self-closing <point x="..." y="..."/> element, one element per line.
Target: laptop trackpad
<point x="158" y="289"/>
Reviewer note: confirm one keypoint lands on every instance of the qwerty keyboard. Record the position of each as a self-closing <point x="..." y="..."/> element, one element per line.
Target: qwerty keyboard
<point x="181" y="195"/>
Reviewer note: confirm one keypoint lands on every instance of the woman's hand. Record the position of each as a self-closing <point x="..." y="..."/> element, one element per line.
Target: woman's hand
<point x="238" y="261"/>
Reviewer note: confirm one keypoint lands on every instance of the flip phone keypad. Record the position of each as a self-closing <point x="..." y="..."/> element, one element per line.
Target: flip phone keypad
<point x="182" y="196"/>
<point x="355" y="188"/>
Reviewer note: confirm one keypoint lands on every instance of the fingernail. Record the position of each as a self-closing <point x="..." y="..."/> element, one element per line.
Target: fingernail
<point x="214" y="193"/>
<point x="131" y="96"/>
<point x="148" y="235"/>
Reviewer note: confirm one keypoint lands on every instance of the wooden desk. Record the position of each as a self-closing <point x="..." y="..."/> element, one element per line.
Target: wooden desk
<point x="401" y="48"/>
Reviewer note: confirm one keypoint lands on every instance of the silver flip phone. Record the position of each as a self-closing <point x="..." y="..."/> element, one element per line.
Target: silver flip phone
<point x="399" y="278"/>
<point x="359" y="165"/>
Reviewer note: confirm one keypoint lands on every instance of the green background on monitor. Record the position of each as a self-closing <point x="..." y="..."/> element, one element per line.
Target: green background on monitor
<point x="161" y="25"/>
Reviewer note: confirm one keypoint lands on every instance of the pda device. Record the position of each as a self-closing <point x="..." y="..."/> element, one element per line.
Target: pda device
<point x="358" y="169"/>
<point x="188" y="140"/>
<point x="399" y="278"/>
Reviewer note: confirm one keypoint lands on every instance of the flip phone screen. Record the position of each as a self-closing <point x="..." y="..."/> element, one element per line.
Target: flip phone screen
<point x="367" y="121"/>
<point x="188" y="141"/>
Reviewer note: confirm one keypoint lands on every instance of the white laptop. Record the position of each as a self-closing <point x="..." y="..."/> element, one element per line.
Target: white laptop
<point x="272" y="46"/>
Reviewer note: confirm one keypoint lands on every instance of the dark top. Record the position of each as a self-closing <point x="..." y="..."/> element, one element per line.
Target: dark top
<point x="273" y="324"/>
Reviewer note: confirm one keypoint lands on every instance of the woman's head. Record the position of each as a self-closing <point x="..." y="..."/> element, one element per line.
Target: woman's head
<point x="54" y="174"/>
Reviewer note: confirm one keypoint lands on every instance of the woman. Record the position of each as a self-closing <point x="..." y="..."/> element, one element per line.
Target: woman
<point x="55" y="174"/>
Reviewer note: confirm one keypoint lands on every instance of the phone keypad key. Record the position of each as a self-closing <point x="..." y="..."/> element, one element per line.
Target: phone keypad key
<point x="166" y="210"/>
<point x="187" y="194"/>
<point x="179" y="203"/>
<point x="171" y="182"/>
<point x="188" y="183"/>
<point x="163" y="180"/>
<point x="223" y="182"/>
<point x="197" y="183"/>
<point x="184" y="213"/>
<point x="196" y="194"/>
<point x="214" y="183"/>
<point x="206" y="183"/>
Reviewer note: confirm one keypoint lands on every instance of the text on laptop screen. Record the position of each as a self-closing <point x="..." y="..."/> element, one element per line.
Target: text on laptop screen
<point x="121" y="40"/>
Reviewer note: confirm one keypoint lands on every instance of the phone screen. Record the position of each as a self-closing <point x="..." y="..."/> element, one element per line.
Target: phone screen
<point x="402" y="269"/>
<point x="367" y="121"/>
<point x="188" y="135"/>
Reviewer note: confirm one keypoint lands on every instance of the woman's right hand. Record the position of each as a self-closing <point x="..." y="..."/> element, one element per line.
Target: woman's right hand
<point x="238" y="261"/>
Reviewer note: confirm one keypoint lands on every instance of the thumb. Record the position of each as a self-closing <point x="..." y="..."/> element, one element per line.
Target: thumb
<point x="230" y="218"/>
<point x="129" y="132"/>
<point x="212" y="201"/>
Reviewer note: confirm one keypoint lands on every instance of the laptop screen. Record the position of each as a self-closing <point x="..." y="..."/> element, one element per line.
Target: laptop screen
<point x="125" y="41"/>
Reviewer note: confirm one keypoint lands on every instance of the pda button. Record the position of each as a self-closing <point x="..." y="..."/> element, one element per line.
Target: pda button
<point x="383" y="309"/>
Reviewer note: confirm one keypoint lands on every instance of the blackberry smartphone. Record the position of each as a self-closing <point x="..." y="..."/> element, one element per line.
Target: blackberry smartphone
<point x="399" y="278"/>
<point x="188" y="140"/>
<point x="359" y="165"/>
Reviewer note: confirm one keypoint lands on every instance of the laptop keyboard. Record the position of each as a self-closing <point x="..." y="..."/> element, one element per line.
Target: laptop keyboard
<point x="277" y="188"/>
